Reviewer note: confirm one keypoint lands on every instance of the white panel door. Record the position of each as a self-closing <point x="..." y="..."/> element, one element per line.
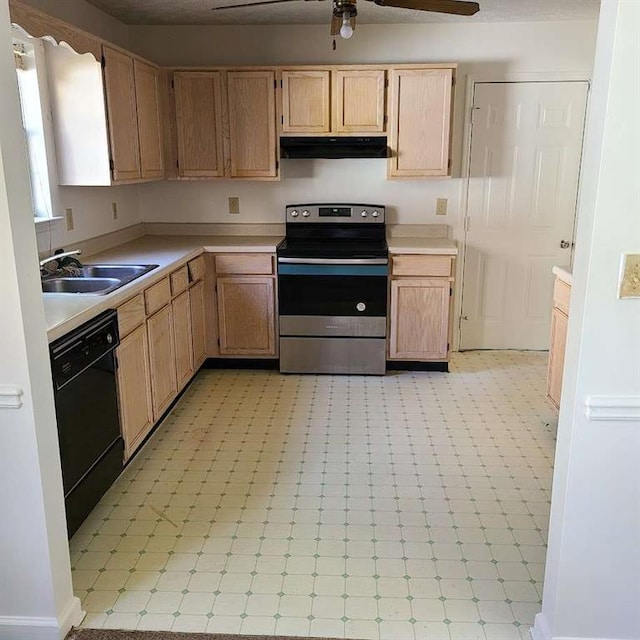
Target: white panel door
<point x="525" y="161"/>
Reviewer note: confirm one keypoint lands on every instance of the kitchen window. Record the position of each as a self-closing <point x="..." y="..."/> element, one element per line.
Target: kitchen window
<point x="36" y="121"/>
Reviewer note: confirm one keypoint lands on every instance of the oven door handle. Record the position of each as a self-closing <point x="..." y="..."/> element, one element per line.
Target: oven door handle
<point x="332" y="261"/>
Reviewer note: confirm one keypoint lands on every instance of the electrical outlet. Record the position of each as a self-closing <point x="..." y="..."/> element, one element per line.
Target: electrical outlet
<point x="630" y="276"/>
<point x="441" y="206"/>
<point x="114" y="210"/>
<point x="69" y="216"/>
<point x="234" y="205"/>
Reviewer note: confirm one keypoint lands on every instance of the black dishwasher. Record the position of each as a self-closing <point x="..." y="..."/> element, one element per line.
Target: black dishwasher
<point x="84" y="381"/>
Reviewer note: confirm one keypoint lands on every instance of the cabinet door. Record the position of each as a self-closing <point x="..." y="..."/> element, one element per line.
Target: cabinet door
<point x="359" y="100"/>
<point x="559" y="322"/>
<point x="162" y="360"/>
<point x="199" y="124"/>
<point x="147" y="80"/>
<point x="252" y="123"/>
<point x="119" y="80"/>
<point x="196" y="300"/>
<point x="246" y="310"/>
<point x="305" y="102"/>
<point x="420" y="122"/>
<point x="134" y="389"/>
<point x="181" y="311"/>
<point x="419" y="327"/>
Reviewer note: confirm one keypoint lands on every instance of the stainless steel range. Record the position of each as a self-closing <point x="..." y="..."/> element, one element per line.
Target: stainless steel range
<point x="332" y="289"/>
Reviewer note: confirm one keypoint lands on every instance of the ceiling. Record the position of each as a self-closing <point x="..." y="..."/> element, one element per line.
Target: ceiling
<point x="198" y="12"/>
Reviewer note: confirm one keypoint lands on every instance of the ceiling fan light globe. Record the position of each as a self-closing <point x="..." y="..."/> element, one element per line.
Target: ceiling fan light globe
<point x="346" y="30"/>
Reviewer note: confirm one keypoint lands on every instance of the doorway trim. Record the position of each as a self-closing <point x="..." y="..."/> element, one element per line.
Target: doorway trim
<point x="465" y="168"/>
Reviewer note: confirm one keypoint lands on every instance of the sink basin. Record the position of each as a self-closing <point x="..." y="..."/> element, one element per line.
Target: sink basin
<point x="120" y="271"/>
<point x="96" y="278"/>
<point x="80" y="285"/>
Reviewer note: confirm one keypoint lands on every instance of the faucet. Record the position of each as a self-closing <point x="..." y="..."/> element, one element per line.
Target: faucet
<point x="58" y="256"/>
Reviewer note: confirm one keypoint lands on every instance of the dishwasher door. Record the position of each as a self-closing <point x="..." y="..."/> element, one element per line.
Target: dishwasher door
<point x="91" y="447"/>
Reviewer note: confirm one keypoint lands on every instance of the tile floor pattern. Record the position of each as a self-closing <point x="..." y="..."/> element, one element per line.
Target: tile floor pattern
<point x="413" y="506"/>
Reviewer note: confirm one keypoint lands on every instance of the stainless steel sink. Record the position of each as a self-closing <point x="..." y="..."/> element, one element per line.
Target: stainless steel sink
<point x="80" y="285"/>
<point x="96" y="278"/>
<point x="120" y="271"/>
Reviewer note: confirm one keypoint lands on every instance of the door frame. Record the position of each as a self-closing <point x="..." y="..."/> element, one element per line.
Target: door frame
<point x="465" y="169"/>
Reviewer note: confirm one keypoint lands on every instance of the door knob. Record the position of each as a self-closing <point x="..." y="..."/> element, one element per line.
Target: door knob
<point x="565" y="244"/>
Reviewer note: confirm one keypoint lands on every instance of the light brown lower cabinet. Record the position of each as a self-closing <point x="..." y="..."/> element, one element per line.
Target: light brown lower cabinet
<point x="162" y="360"/>
<point x="558" y="342"/>
<point x="246" y="315"/>
<point x="181" y="316"/>
<point x="196" y="302"/>
<point x="419" y="319"/>
<point x="134" y="389"/>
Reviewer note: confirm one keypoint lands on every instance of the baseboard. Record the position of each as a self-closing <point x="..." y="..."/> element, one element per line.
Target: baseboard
<point x="32" y="628"/>
<point x="541" y="631"/>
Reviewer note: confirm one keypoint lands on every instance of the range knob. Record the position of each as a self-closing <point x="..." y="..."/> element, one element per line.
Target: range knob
<point x="294" y="214"/>
<point x="364" y="213"/>
<point x="375" y="214"/>
<point x="305" y="214"/>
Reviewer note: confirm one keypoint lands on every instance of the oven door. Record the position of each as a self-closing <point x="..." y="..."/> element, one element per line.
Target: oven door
<point x="325" y="297"/>
<point x="333" y="315"/>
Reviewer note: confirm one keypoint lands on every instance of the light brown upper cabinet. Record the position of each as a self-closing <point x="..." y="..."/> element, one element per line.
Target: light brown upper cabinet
<point x="199" y="123"/>
<point x="120" y="89"/>
<point x="252" y="124"/>
<point x="420" y="122"/>
<point x="147" y="85"/>
<point x="305" y="101"/>
<point x="359" y="100"/>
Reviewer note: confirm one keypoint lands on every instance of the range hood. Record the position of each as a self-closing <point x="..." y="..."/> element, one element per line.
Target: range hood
<point x="336" y="147"/>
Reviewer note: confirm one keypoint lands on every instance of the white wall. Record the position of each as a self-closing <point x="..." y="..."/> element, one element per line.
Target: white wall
<point x="488" y="51"/>
<point x="36" y="598"/>
<point x="592" y="580"/>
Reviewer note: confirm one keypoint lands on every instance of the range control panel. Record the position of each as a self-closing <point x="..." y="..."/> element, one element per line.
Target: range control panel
<point x="335" y="213"/>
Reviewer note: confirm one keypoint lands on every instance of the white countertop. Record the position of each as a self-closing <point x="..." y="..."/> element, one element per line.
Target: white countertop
<point x="563" y="273"/>
<point x="64" y="312"/>
<point x="418" y="245"/>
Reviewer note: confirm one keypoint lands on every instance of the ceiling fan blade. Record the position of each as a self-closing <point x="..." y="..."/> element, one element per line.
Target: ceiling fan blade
<point x="336" y="23"/>
<point x="250" y="4"/>
<point x="455" y="7"/>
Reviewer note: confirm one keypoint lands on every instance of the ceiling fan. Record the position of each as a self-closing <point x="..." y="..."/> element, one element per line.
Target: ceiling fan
<point x="343" y="18"/>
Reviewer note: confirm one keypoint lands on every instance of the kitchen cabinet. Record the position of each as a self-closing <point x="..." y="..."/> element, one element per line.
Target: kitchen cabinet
<point x="359" y="101"/>
<point x="134" y="388"/>
<point x="246" y="304"/>
<point x="147" y="85"/>
<point x="120" y="90"/>
<point x="181" y="317"/>
<point x="305" y="101"/>
<point x="421" y="291"/>
<point x="198" y="337"/>
<point x="559" y="324"/>
<point x="343" y="101"/>
<point x="246" y="315"/>
<point x="198" y="103"/>
<point x="252" y="124"/>
<point x="420" y="122"/>
<point x="164" y="385"/>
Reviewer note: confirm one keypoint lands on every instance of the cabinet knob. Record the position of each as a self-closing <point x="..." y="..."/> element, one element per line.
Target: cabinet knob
<point x="565" y="244"/>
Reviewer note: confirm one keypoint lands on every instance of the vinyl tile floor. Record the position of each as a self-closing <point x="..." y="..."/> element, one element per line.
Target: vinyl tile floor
<point x="411" y="506"/>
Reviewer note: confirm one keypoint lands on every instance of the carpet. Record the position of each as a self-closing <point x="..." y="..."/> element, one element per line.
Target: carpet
<point x="113" y="634"/>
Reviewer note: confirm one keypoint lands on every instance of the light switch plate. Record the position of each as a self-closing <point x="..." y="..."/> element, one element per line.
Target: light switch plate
<point x="629" y="276"/>
<point x="234" y="205"/>
<point x="114" y="210"/>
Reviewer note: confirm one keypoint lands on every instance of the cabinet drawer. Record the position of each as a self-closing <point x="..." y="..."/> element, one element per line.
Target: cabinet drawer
<point x="413" y="265"/>
<point x="244" y="264"/>
<point x="130" y="315"/>
<point x="196" y="269"/>
<point x="179" y="280"/>
<point x="157" y="296"/>
<point x="561" y="295"/>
